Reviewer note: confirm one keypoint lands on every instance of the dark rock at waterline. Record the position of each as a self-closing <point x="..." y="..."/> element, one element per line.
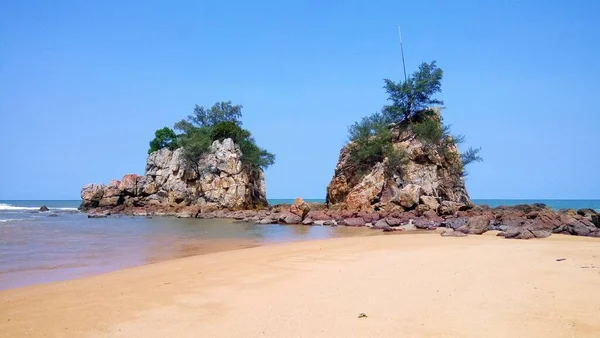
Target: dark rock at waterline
<point x="596" y="220"/>
<point x="53" y="215"/>
<point x="98" y="215"/>
<point x="44" y="208"/>
<point x="587" y="212"/>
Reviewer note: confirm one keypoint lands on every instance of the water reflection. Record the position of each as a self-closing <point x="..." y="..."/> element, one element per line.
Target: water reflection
<point x="42" y="249"/>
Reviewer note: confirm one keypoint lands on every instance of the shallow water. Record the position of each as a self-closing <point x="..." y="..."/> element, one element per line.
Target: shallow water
<point x="63" y="244"/>
<point x="36" y="247"/>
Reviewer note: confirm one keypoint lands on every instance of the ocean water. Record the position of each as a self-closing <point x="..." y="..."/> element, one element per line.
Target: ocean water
<point x="63" y="243"/>
<point x="60" y="244"/>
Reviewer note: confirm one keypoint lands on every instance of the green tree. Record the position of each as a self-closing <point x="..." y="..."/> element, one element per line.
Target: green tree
<point x="163" y="138"/>
<point x="413" y="95"/>
<point x="219" y="122"/>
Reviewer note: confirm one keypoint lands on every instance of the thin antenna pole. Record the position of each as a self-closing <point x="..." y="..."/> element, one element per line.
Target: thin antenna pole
<point x="402" y="51"/>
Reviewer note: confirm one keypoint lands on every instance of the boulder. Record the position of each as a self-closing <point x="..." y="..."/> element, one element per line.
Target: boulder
<point x="289" y="218"/>
<point x="596" y="220"/>
<point x="300" y="208"/>
<point x="354" y="222"/>
<point x="586" y="212"/>
<point x="410" y="196"/>
<point x="128" y="184"/>
<point x="476" y="225"/>
<point x="307" y="221"/>
<point x="44" y="208"/>
<point x="430" y="202"/>
<point x="449" y="232"/>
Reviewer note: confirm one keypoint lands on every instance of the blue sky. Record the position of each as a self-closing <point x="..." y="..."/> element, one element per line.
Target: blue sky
<point x="84" y="84"/>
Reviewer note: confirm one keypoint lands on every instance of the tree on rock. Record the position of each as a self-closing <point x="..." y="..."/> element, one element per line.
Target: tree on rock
<point x="163" y="138"/>
<point x="413" y="95"/>
<point x="219" y="122"/>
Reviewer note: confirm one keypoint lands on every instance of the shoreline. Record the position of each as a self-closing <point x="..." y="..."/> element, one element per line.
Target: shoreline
<point x="418" y="284"/>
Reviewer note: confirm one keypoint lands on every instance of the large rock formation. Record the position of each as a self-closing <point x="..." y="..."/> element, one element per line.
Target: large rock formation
<point x="428" y="179"/>
<point x="218" y="180"/>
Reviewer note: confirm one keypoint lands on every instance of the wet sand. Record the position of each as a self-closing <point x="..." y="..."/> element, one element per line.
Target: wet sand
<point x="407" y="285"/>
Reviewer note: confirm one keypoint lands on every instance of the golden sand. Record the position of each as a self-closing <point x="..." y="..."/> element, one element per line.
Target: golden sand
<point x="405" y="285"/>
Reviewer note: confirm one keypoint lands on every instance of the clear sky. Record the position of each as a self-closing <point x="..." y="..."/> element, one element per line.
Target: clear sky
<point x="84" y="84"/>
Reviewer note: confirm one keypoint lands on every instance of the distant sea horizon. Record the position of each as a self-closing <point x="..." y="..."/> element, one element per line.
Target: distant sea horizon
<point x="555" y="204"/>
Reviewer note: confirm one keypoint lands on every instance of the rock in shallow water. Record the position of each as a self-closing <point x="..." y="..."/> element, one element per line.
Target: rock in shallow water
<point x="44" y="208"/>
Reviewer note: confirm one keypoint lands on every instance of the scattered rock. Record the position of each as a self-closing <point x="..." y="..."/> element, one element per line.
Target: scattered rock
<point x="476" y="225"/>
<point x="362" y="315"/>
<point x="44" y="208"/>
<point x="354" y="222"/>
<point x="560" y="259"/>
<point x="449" y="232"/>
<point x="289" y="218"/>
<point x="300" y="208"/>
<point x="97" y="215"/>
<point x="53" y="215"/>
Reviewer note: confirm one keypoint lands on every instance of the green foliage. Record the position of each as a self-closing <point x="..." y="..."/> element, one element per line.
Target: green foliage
<point x="471" y="155"/>
<point x="413" y="95"/>
<point x="219" y="122"/>
<point x="430" y="131"/>
<point x="371" y="144"/>
<point x="219" y="112"/>
<point x="229" y="129"/>
<point x="163" y="138"/>
<point x="411" y="105"/>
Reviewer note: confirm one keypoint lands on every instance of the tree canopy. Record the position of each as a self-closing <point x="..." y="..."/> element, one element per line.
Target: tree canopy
<point x="206" y="125"/>
<point x="413" y="95"/>
<point x="412" y="101"/>
<point x="163" y="138"/>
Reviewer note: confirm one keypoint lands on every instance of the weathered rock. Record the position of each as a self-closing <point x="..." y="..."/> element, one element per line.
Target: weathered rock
<point x="110" y="201"/>
<point x="476" y="225"/>
<point x="300" y="208"/>
<point x="354" y="222"/>
<point x="379" y="189"/>
<point x="596" y="220"/>
<point x="44" y="208"/>
<point x="218" y="181"/>
<point x="430" y="202"/>
<point x="587" y="212"/>
<point x="268" y="220"/>
<point x="307" y="221"/>
<point x="410" y="196"/>
<point x="449" y="232"/>
<point x="289" y="218"/>
<point x="455" y="223"/>
<point x="188" y="212"/>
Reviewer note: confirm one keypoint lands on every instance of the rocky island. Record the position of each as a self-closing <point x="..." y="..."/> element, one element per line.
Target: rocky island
<point x="400" y="170"/>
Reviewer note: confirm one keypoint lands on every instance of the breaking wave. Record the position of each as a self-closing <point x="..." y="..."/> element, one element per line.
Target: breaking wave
<point x="4" y="206"/>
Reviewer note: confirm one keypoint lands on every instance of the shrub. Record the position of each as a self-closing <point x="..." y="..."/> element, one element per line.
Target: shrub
<point x="163" y="138"/>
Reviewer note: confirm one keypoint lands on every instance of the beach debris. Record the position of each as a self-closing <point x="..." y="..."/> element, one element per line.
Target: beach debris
<point x="560" y="259"/>
<point x="362" y="315"/>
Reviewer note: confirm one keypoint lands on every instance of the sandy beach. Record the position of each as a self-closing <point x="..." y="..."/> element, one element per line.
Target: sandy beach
<point x="408" y="285"/>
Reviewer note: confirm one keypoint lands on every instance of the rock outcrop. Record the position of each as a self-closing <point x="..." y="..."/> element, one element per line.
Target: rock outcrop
<point x="430" y="176"/>
<point x="171" y="181"/>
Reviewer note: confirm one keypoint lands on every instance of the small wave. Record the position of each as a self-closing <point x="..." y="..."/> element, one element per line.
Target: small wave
<point x="11" y="220"/>
<point x="4" y="206"/>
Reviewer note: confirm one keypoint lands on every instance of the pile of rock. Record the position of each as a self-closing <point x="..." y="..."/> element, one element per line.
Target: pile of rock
<point x="173" y="184"/>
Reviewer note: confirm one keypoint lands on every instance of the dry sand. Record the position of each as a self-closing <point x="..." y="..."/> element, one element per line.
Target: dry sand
<point x="407" y="285"/>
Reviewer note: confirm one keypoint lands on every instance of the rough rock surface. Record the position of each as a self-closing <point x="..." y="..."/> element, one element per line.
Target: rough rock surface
<point x="299" y="207"/>
<point x="218" y="180"/>
<point x="427" y="172"/>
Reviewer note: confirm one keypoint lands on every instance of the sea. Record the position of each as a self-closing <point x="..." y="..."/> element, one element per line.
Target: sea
<point x="62" y="243"/>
